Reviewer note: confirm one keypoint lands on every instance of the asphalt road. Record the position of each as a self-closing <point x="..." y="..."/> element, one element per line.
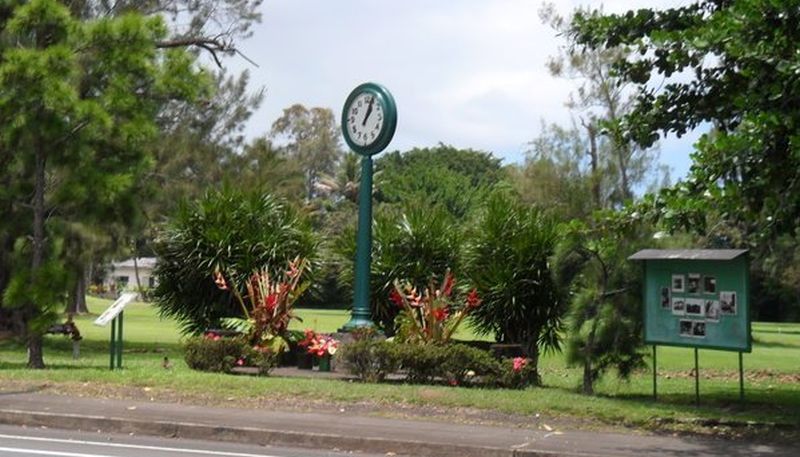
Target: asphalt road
<point x="31" y="442"/>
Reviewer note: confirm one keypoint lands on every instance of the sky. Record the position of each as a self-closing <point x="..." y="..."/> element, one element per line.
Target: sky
<point x="467" y="73"/>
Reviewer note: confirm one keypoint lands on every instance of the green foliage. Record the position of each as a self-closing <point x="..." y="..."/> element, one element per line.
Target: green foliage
<point x="228" y="230"/>
<point x="80" y="99"/>
<point x="605" y="315"/>
<point x="417" y="245"/>
<point x="370" y="360"/>
<point x="507" y="262"/>
<point x="463" y="365"/>
<point x="515" y="373"/>
<point x="456" y="179"/>
<point x="214" y="355"/>
<point x="311" y="138"/>
<point x="455" y="364"/>
<point x="738" y="67"/>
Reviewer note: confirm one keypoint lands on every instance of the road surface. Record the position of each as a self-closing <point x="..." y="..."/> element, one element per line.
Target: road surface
<point x="34" y="442"/>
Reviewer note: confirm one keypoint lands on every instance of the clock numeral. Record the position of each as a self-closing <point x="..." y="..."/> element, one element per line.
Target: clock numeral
<point x="373" y="135"/>
<point x="354" y="111"/>
<point x="377" y="126"/>
<point x="359" y="103"/>
<point x="352" y="119"/>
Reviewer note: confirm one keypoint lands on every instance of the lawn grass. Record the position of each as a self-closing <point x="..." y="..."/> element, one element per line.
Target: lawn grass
<point x="772" y="386"/>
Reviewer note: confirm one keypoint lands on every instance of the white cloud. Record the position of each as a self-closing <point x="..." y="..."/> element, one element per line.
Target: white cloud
<point x="466" y="72"/>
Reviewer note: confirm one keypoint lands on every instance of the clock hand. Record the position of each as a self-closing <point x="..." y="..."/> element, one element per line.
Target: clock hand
<point x="369" y="111"/>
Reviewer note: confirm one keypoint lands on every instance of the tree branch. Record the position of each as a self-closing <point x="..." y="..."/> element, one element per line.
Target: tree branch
<point x="212" y="45"/>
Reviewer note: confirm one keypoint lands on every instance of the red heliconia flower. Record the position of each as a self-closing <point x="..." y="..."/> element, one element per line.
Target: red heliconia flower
<point x="519" y="364"/>
<point x="396" y="298"/>
<point x="270" y="301"/>
<point x="219" y="280"/>
<point x="449" y="282"/>
<point x="440" y="314"/>
<point x="473" y="300"/>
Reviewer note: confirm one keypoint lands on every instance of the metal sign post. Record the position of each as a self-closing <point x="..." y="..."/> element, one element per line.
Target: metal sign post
<point x="114" y="315"/>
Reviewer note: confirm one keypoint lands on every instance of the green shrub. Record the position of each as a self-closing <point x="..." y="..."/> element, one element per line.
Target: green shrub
<point x="461" y="365"/>
<point x="422" y="362"/>
<point x="507" y="260"/>
<point x="370" y="360"/>
<point x="264" y="360"/>
<point x="232" y="231"/>
<point x="217" y="355"/>
<point x="516" y="373"/>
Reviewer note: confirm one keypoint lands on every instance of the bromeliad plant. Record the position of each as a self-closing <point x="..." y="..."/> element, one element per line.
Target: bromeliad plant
<point x="267" y="303"/>
<point x="430" y="316"/>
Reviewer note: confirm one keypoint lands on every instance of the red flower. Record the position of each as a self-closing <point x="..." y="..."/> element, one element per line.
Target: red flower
<point x="472" y="299"/>
<point x="219" y="280"/>
<point x="396" y="298"/>
<point x="240" y="362"/>
<point x="440" y="314"/>
<point x="270" y="301"/>
<point x="519" y="364"/>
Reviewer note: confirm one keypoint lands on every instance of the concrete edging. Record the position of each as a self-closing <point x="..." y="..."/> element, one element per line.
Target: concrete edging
<point x="264" y="437"/>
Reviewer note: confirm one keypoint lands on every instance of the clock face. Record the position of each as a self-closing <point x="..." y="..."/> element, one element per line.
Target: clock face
<point x="365" y="119"/>
<point x="369" y="119"/>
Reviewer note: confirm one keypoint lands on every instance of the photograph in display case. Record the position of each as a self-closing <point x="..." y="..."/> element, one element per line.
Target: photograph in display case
<point x="693" y="284"/>
<point x="665" y="298"/>
<point x="678" y="306"/>
<point x="694" y="307"/>
<point x="712" y="310"/>
<point x="677" y="283"/>
<point x="727" y="303"/>
<point x="710" y="284"/>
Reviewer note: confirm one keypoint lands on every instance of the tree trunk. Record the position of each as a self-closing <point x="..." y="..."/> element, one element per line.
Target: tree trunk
<point x="34" y="339"/>
<point x="77" y="302"/>
<point x="136" y="270"/>
<point x="588" y="382"/>
<point x="588" y="354"/>
<point x="531" y="350"/>
<point x="594" y="163"/>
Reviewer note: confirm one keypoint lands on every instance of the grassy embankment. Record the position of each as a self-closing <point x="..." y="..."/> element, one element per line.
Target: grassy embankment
<point x="772" y="379"/>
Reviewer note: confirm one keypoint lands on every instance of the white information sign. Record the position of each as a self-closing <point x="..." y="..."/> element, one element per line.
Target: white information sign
<point x="113" y="311"/>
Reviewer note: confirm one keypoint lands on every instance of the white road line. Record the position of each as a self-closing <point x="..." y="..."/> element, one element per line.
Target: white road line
<point x="55" y="453"/>
<point x="130" y="446"/>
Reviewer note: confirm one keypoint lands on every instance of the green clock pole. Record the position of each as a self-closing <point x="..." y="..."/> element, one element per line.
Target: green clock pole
<point x="369" y="119"/>
<point x="361" y="316"/>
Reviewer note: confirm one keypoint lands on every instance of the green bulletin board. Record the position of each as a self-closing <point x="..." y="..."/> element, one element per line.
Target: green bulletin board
<point x="697" y="298"/>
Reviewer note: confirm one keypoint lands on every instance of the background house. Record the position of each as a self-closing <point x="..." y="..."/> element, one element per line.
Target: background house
<point x="123" y="274"/>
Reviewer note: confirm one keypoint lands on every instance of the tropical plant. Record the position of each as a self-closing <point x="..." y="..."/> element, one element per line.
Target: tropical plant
<point x="605" y="313"/>
<point x="266" y="303"/>
<point x="228" y="230"/>
<point x="430" y="316"/>
<point x="507" y="262"/>
<point x="417" y="245"/>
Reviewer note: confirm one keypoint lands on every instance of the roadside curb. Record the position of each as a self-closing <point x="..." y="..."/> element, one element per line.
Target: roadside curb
<point x="259" y="436"/>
